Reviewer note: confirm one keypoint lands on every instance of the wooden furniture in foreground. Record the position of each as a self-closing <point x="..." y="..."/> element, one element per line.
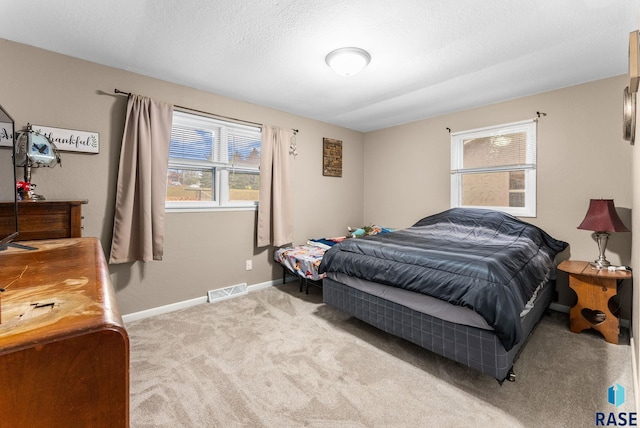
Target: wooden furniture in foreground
<point x="42" y="219"/>
<point x="64" y="350"/>
<point x="595" y="288"/>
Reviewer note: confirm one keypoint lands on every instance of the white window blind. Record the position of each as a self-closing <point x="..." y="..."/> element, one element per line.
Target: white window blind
<point x="190" y="143"/>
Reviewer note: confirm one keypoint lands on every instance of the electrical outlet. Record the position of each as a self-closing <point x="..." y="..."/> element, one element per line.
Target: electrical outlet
<point x="249" y="264"/>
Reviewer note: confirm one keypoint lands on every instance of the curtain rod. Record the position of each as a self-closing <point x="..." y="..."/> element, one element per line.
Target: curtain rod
<point x="538" y="113"/>
<point x="118" y="91"/>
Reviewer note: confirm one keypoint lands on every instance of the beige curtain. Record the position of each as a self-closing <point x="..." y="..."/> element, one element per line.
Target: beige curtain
<point x="275" y="208"/>
<point x="138" y="229"/>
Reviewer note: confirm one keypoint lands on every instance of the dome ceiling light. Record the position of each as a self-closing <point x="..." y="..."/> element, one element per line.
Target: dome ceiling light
<point x="348" y="61"/>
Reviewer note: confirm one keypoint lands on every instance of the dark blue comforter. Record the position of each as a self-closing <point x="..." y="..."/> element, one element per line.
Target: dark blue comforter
<point x="485" y="260"/>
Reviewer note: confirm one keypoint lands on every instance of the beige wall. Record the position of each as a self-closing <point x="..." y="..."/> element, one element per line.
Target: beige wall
<point x="581" y="155"/>
<point x="203" y="251"/>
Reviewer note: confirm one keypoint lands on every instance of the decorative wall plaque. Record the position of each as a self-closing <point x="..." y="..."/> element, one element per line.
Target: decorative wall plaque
<point x="331" y="157"/>
<point x="634" y="72"/>
<point x="71" y="140"/>
<point x="6" y="134"/>
<point x="629" y="115"/>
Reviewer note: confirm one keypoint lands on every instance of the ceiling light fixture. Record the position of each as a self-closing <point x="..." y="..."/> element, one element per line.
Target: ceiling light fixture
<point x="348" y="61"/>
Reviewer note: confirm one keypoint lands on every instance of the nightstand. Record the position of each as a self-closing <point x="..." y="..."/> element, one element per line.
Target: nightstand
<point x="594" y="288"/>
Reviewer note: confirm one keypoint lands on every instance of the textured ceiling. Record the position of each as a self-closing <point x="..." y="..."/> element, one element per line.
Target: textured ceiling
<point x="429" y="57"/>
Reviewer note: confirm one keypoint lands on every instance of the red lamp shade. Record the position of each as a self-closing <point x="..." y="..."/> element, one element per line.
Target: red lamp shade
<point x="602" y="217"/>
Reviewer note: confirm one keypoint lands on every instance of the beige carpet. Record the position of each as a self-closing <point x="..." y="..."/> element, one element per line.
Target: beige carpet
<point x="280" y="358"/>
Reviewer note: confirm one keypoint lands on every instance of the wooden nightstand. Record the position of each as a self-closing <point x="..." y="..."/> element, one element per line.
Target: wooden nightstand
<point x="594" y="288"/>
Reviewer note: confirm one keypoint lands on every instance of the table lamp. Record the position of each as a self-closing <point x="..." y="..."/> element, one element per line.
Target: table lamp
<point x="33" y="150"/>
<point x="602" y="218"/>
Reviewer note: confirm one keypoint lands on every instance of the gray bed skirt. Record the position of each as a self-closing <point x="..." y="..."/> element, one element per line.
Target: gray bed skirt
<point x="474" y="347"/>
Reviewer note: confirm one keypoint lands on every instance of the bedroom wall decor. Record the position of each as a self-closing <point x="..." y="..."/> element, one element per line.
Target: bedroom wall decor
<point x="331" y="157"/>
<point x="634" y="72"/>
<point x="6" y="134"/>
<point x="629" y="115"/>
<point x="71" y="140"/>
<point x="629" y="95"/>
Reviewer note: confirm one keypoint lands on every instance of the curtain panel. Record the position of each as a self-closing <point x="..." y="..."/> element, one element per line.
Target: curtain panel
<point x="275" y="207"/>
<point x="138" y="230"/>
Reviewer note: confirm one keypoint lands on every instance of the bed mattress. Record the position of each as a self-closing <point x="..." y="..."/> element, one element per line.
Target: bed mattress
<point x="416" y="301"/>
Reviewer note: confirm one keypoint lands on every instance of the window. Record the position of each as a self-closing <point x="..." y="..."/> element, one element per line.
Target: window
<point x="212" y="163"/>
<point x="495" y="168"/>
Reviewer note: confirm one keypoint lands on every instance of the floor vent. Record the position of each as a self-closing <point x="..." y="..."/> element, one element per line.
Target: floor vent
<point x="227" y="292"/>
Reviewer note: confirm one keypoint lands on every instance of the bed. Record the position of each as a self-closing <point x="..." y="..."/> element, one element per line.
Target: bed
<point x="467" y="284"/>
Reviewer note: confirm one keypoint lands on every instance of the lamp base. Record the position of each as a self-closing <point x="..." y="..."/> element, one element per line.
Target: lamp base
<point x="600" y="264"/>
<point x="602" y="238"/>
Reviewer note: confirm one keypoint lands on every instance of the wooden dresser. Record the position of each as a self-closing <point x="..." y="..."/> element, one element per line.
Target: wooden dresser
<point x="64" y="350"/>
<point x="45" y="219"/>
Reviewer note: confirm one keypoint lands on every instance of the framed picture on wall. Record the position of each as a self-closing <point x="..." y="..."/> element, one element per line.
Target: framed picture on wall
<point x="331" y="157"/>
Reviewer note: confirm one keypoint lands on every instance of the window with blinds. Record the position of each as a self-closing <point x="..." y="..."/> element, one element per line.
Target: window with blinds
<point x="495" y="168"/>
<point x="212" y="163"/>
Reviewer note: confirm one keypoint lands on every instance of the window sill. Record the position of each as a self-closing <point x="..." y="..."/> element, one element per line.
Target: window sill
<point x="211" y="209"/>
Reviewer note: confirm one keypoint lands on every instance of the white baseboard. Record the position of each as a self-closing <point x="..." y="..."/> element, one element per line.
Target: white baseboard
<point x="559" y="308"/>
<point x="263" y="285"/>
<point x="164" y="309"/>
<point x="193" y="302"/>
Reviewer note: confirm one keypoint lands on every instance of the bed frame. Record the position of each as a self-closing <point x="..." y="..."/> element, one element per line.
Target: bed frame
<point x="304" y="281"/>
<point x="474" y="347"/>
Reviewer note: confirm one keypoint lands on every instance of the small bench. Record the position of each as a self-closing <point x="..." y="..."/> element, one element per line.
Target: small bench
<point x="301" y="261"/>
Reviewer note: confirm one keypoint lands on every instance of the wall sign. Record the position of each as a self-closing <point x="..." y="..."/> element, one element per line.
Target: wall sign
<point x="71" y="140"/>
<point x="331" y="157"/>
<point x="6" y="139"/>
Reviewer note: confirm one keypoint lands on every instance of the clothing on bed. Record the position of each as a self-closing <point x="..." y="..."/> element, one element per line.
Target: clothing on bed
<point x="485" y="260"/>
<point x="325" y="243"/>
